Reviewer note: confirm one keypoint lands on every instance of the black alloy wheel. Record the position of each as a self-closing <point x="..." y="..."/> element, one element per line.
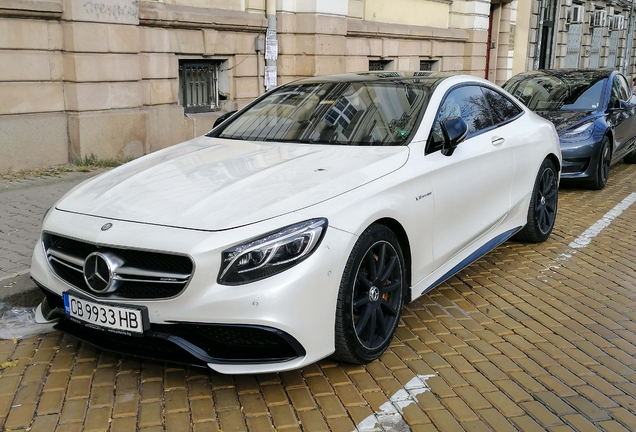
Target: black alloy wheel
<point x="603" y="168"/>
<point x="371" y="297"/>
<point x="631" y="157"/>
<point x="543" y="206"/>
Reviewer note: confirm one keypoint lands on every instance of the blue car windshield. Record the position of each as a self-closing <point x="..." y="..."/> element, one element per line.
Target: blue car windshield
<point x="576" y="92"/>
<point x="340" y="113"/>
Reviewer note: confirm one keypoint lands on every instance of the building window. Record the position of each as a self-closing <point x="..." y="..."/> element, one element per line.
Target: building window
<point x="380" y="65"/>
<point x="199" y="85"/>
<point x="429" y="65"/>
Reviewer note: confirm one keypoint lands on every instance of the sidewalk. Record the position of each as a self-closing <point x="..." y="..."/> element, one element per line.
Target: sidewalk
<point x="22" y="206"/>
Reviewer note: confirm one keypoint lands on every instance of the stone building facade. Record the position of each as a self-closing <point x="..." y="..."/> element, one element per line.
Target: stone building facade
<point x="579" y="34"/>
<point x="122" y="78"/>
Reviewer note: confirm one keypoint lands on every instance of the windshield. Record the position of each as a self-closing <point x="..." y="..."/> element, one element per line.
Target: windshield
<point x="344" y="113"/>
<point x="565" y="93"/>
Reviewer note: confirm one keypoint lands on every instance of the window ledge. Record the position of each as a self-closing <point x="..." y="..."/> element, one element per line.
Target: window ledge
<point x="32" y="8"/>
<point x="363" y="28"/>
<point x="166" y="15"/>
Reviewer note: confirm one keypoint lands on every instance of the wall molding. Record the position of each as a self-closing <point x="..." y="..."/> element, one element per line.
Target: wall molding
<point x="165" y="15"/>
<point x="48" y="9"/>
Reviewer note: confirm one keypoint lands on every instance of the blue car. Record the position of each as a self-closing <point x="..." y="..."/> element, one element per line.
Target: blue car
<point x="594" y="112"/>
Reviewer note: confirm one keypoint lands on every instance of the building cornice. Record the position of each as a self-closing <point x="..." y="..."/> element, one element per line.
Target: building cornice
<point x="166" y="15"/>
<point x="372" y="29"/>
<point x="51" y="9"/>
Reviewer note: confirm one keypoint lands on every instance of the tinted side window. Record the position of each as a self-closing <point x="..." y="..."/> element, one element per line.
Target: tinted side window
<point x="467" y="102"/>
<point x="502" y="108"/>
<point x="625" y="90"/>
<point x="616" y="92"/>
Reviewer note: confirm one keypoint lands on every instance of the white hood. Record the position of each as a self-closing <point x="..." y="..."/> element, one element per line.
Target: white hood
<point x="216" y="184"/>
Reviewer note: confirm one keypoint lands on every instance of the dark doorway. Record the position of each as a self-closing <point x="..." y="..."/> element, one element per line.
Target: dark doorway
<point x="548" y="15"/>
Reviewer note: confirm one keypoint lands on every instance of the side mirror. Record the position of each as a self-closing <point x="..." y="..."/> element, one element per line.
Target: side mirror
<point x="617" y="105"/>
<point x="455" y="131"/>
<point x="222" y="118"/>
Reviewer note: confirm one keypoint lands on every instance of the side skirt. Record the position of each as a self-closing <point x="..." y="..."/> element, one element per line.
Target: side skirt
<point x="483" y="250"/>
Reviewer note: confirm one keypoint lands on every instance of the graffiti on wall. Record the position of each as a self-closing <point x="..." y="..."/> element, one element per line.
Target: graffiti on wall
<point x="101" y="9"/>
<point x="107" y="11"/>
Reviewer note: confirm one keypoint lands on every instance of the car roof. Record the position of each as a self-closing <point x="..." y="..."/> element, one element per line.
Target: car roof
<point x="380" y="76"/>
<point x="593" y="74"/>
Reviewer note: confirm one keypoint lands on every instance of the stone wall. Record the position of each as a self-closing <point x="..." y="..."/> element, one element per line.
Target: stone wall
<point x="101" y="77"/>
<point x="557" y="59"/>
<point x="33" y="126"/>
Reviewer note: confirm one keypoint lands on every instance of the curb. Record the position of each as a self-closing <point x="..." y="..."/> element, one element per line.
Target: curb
<point x="20" y="290"/>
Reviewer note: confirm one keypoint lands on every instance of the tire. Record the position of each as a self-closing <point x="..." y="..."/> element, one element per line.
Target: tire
<point x="543" y="206"/>
<point x="601" y="174"/>
<point x="631" y="157"/>
<point x="371" y="297"/>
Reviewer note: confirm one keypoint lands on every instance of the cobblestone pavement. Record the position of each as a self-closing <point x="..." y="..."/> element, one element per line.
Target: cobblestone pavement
<point x="531" y="337"/>
<point x="22" y="205"/>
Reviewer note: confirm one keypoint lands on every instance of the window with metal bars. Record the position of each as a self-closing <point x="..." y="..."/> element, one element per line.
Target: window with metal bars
<point x="199" y="85"/>
<point x="380" y="65"/>
<point x="428" y="65"/>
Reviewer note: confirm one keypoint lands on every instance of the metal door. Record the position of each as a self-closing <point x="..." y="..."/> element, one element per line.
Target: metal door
<point x="574" y="46"/>
<point x="595" y="52"/>
<point x="613" y="48"/>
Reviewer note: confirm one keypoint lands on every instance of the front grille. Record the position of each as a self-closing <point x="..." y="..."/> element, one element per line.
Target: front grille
<point x="140" y="275"/>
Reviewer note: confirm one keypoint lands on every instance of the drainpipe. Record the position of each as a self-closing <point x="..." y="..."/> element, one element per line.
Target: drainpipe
<point x="271" y="40"/>
<point x="630" y="39"/>
<point x="537" y="43"/>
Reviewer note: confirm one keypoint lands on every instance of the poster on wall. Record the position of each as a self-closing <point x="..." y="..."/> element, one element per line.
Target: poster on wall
<point x="271" y="49"/>
<point x="271" y="45"/>
<point x="270" y="77"/>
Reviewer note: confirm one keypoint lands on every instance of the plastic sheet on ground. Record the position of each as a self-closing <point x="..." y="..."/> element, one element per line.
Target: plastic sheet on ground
<point x="19" y="322"/>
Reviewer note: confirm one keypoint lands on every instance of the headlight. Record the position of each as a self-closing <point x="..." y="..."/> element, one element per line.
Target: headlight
<point x="271" y="254"/>
<point x="579" y="133"/>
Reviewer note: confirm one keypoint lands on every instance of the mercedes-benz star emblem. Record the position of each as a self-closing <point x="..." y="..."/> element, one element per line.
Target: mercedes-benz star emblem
<point x="98" y="272"/>
<point x="374" y="294"/>
<point x="107" y="226"/>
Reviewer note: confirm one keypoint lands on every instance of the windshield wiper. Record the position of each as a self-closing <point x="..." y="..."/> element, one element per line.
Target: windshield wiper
<point x="311" y="141"/>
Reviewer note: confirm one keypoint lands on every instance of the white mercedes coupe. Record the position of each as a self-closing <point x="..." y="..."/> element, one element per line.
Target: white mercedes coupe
<point x="299" y="226"/>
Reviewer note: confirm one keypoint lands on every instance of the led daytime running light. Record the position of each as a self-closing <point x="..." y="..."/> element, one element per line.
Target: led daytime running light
<point x="272" y="248"/>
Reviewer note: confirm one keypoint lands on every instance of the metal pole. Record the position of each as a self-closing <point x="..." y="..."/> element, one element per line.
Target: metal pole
<point x="270" y="14"/>
<point x="537" y="43"/>
<point x="628" y="44"/>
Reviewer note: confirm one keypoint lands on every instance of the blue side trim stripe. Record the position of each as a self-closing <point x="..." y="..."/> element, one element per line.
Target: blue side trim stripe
<point x="492" y="244"/>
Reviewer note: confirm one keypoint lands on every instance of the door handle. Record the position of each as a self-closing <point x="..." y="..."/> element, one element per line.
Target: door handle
<point x="497" y="141"/>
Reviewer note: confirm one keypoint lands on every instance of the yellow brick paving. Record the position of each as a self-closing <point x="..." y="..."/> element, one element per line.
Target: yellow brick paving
<point x="531" y="338"/>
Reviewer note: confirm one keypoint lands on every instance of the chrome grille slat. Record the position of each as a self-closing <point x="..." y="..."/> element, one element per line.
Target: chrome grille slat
<point x="119" y="278"/>
<point x="133" y="271"/>
<point x="66" y="257"/>
<point x="143" y="274"/>
<point x="64" y="263"/>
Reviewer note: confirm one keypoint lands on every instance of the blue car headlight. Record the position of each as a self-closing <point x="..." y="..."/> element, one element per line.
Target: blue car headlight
<point x="579" y="133"/>
<point x="272" y="253"/>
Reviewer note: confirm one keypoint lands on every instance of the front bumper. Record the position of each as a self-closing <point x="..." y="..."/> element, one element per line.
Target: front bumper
<point x="195" y="344"/>
<point x="580" y="159"/>
<point x="293" y="313"/>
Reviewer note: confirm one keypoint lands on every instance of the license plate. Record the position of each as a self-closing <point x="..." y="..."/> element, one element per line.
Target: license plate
<point x="109" y="317"/>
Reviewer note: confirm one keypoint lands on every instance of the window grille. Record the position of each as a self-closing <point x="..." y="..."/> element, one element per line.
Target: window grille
<point x="198" y="85"/>
<point x="428" y="65"/>
<point x="379" y="65"/>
